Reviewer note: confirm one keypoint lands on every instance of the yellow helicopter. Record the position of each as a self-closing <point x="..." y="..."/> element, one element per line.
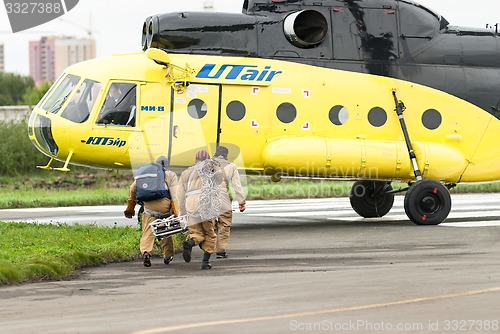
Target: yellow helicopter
<point x="279" y="115"/>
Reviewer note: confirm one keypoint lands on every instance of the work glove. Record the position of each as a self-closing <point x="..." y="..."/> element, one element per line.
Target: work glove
<point x="243" y="207"/>
<point x="130" y="210"/>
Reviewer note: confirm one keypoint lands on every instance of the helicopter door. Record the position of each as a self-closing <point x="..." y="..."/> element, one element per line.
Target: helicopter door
<point x="194" y="123"/>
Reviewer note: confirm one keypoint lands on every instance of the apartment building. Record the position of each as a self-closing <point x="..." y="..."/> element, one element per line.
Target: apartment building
<point x="51" y="55"/>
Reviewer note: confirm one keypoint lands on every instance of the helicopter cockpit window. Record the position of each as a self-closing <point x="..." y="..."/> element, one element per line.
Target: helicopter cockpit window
<point x="78" y="109"/>
<point x="120" y="105"/>
<point x="61" y="93"/>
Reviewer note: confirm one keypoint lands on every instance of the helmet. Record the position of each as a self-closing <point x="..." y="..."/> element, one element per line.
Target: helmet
<point x="162" y="160"/>
<point x="202" y="155"/>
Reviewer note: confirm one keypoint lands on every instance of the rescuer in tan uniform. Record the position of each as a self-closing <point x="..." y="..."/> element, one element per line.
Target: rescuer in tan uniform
<point x="230" y="176"/>
<point x="201" y="231"/>
<point x="154" y="209"/>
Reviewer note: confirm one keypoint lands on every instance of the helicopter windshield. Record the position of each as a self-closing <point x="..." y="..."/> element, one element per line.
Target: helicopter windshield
<point x="82" y="102"/>
<point x="61" y="93"/>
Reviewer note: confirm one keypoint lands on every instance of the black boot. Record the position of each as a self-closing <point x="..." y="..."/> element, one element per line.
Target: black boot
<point x="147" y="259"/>
<point x="205" y="263"/>
<point x="188" y="247"/>
<point x="222" y="255"/>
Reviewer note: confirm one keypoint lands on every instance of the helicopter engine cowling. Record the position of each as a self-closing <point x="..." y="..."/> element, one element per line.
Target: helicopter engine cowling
<point x="196" y="32"/>
<point x="305" y="28"/>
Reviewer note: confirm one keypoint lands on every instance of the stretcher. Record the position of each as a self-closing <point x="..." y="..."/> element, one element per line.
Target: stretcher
<point x="166" y="227"/>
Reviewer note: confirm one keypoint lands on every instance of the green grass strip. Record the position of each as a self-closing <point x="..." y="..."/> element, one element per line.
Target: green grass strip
<point x="32" y="252"/>
<point x="35" y="252"/>
<point x="36" y="198"/>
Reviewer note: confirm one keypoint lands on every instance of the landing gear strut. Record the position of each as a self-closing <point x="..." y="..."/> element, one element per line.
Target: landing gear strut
<point x="427" y="202"/>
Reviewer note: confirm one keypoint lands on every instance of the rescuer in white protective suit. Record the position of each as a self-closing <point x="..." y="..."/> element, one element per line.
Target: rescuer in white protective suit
<point x="231" y="177"/>
<point x="199" y="199"/>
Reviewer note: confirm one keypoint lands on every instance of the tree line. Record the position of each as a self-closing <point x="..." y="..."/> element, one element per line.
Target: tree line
<point x="16" y="90"/>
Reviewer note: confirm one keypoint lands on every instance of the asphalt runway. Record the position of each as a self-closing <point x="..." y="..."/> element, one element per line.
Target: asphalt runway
<point x="306" y="266"/>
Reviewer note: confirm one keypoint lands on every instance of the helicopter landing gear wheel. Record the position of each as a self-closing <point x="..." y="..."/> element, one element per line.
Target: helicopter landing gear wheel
<point x="371" y="198"/>
<point x="427" y="202"/>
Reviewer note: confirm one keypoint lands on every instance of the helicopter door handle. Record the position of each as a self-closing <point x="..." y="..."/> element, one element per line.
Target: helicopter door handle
<point x="176" y="131"/>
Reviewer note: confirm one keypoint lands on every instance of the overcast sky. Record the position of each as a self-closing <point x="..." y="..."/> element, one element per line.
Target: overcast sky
<point x="116" y="24"/>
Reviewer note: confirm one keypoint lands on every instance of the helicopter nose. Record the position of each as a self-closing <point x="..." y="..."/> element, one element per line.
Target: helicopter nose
<point x="40" y="133"/>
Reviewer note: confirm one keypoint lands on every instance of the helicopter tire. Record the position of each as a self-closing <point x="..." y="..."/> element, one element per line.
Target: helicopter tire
<point x="427" y="202"/>
<point x="371" y="199"/>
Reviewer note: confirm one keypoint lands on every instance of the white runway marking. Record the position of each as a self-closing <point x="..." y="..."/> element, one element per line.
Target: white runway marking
<point x="476" y="207"/>
<point x="468" y="210"/>
<point x="473" y="224"/>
